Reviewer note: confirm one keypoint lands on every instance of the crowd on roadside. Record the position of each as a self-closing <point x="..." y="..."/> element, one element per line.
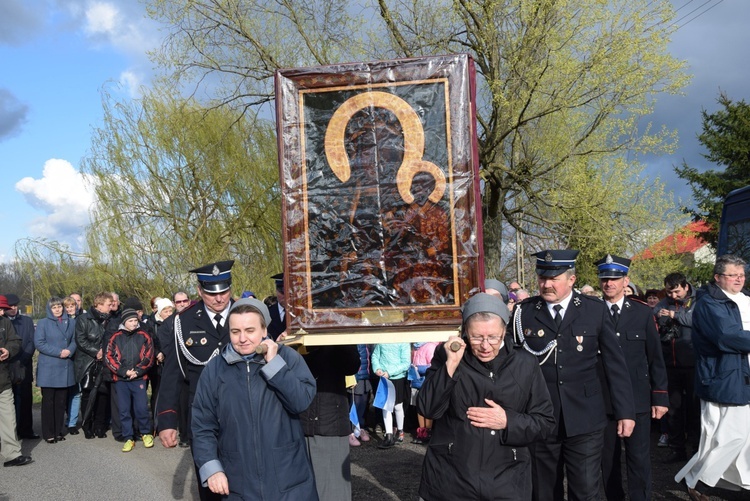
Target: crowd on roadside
<point x="684" y="350"/>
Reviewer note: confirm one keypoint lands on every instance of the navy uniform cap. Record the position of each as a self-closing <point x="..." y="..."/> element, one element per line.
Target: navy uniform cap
<point x="279" y="280"/>
<point x="613" y="266"/>
<point x="550" y="263"/>
<point x="215" y="277"/>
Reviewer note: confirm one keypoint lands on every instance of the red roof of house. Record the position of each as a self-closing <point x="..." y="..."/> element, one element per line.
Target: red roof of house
<point x="685" y="240"/>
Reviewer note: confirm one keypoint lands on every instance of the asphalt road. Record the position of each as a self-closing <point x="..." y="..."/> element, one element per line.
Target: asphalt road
<point x="81" y="470"/>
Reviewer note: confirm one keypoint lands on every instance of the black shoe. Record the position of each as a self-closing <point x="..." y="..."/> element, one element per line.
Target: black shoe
<point x="19" y="461"/>
<point x="184" y="444"/>
<point x="32" y="436"/>
<point x="73" y="430"/>
<point x="100" y="434"/>
<point x="50" y="440"/>
<point x="60" y="438"/>
<point x="88" y="434"/>
<point x="676" y="457"/>
<point x="388" y="442"/>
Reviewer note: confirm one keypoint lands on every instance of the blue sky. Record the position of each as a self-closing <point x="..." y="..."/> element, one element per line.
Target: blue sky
<point x="56" y="55"/>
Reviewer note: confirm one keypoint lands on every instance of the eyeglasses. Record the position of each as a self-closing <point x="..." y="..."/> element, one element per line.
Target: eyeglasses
<point x="732" y="276"/>
<point x="182" y="301"/>
<point x="492" y="340"/>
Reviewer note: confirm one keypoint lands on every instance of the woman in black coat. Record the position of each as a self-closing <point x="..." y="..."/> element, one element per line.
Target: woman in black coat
<point x="489" y="404"/>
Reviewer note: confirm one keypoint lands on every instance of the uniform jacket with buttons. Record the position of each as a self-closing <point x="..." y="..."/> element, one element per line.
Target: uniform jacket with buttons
<point x="192" y="331"/>
<point x="639" y="339"/>
<point x="570" y="369"/>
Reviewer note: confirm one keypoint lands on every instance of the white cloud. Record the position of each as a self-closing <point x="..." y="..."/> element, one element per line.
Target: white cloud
<point x="131" y="82"/>
<point x="121" y="24"/>
<point x="101" y="18"/>
<point x="64" y="195"/>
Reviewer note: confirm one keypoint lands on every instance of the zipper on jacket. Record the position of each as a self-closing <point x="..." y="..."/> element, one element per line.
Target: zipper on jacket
<point x="258" y="458"/>
<point x="514" y="455"/>
<point x="450" y="447"/>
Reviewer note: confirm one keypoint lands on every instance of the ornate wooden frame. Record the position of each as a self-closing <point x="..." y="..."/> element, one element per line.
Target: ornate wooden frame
<point x="393" y="242"/>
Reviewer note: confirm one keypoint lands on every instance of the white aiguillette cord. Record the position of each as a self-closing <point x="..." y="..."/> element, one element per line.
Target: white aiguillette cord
<point x="522" y="341"/>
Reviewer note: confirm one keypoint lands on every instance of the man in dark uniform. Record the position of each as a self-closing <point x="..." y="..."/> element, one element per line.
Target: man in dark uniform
<point x="277" y="309"/>
<point x="566" y="331"/>
<point x="190" y="339"/>
<point x="636" y="331"/>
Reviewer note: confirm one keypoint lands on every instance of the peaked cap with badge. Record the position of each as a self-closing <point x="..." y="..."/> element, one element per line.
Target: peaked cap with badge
<point x="612" y="266"/>
<point x="215" y="277"/>
<point x="550" y="263"/>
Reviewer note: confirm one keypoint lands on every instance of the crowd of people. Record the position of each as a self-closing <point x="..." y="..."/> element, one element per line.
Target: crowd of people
<point x="541" y="413"/>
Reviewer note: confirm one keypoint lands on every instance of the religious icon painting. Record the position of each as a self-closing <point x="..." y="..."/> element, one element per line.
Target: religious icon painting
<point x="380" y="193"/>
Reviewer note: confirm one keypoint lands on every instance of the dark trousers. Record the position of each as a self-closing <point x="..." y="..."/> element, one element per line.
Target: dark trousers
<point x="23" y="397"/>
<point x="154" y="379"/>
<point x="183" y="412"/>
<point x="132" y="393"/>
<point x="684" y="408"/>
<point x="114" y="403"/>
<point x="577" y="457"/>
<point x="97" y="419"/>
<point x="637" y="460"/>
<point x="54" y="403"/>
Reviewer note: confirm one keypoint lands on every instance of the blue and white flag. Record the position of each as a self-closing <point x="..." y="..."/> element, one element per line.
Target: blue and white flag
<point x="385" y="397"/>
<point x="354" y="418"/>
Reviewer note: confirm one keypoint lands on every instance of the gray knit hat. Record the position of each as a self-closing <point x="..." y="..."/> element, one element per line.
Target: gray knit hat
<point x="485" y="303"/>
<point x="255" y="304"/>
<point x="493" y="283"/>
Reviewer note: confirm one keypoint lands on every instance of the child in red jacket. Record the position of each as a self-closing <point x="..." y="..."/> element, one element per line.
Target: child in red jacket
<point x="130" y="354"/>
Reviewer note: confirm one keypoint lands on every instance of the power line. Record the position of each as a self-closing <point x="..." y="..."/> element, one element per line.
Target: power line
<point x="685" y="5"/>
<point x="693" y="11"/>
<point x="699" y="15"/>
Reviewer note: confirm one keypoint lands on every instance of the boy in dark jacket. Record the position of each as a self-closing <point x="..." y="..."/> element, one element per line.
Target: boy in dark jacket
<point x="130" y="354"/>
